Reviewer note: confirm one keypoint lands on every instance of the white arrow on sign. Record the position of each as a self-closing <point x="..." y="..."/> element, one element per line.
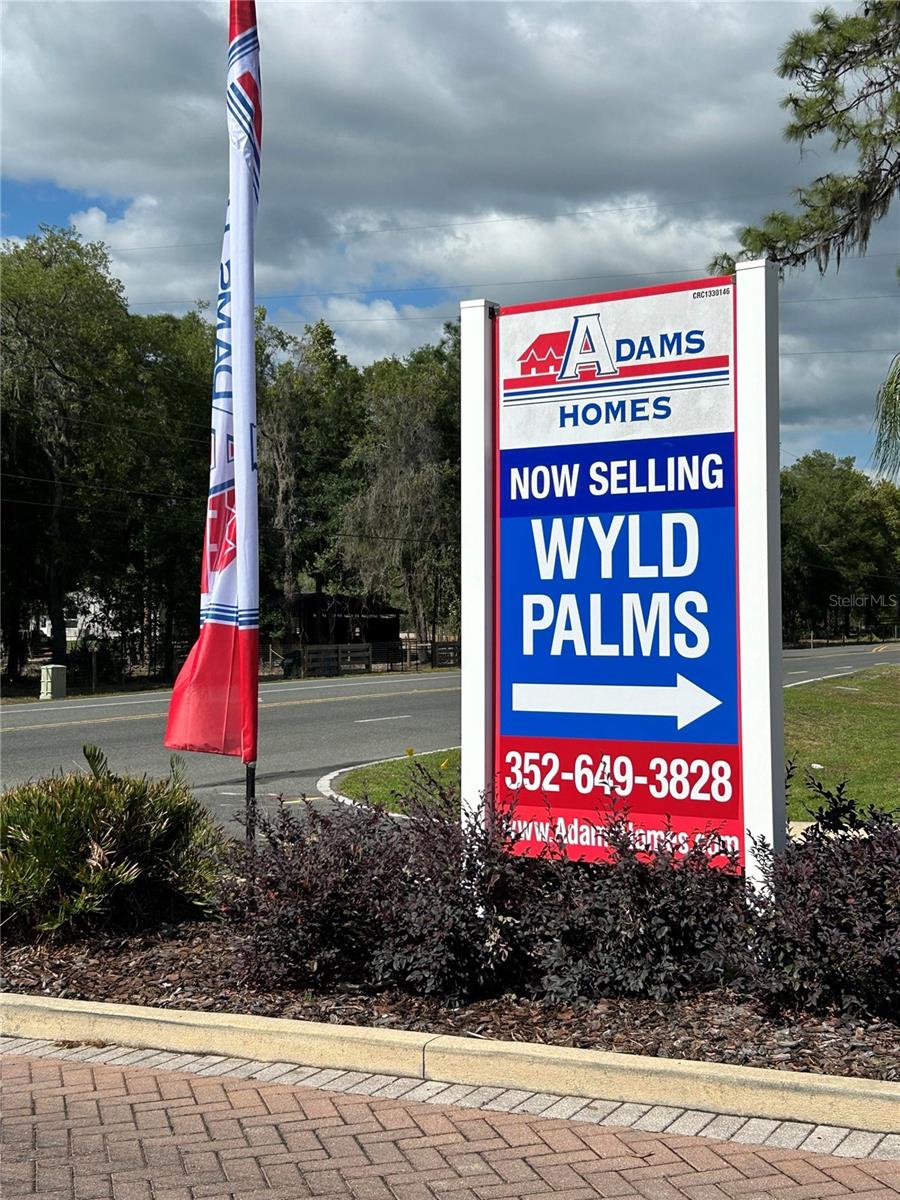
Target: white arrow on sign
<point x="685" y="701"/>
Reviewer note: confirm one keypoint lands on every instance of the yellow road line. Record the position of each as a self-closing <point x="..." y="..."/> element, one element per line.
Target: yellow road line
<point x="82" y="721"/>
<point x="157" y="716"/>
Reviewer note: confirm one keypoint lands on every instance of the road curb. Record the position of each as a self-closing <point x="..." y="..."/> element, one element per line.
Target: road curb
<point x="325" y="785"/>
<point x="866" y="1104"/>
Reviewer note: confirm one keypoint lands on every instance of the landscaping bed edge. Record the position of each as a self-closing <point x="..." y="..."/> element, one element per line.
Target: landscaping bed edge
<point x="325" y="786"/>
<point x="855" y="1103"/>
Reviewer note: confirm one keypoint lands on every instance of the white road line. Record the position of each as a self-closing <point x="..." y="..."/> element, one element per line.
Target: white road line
<point x="259" y="795"/>
<point x="373" y="720"/>
<point x="275" y="689"/>
<point x="165" y="694"/>
<point x="835" y="651"/>
<point x="819" y="678"/>
<point x="67" y="706"/>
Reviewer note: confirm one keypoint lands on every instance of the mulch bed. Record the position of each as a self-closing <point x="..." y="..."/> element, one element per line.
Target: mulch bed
<point x="198" y="966"/>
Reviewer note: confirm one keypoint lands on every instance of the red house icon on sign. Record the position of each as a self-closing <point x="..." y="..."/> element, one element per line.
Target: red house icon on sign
<point x="545" y="354"/>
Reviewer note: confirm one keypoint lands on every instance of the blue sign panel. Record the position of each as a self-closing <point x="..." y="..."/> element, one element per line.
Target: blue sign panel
<point x="617" y="661"/>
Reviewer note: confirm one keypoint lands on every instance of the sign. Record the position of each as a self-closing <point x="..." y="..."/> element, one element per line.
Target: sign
<point x="615" y="534"/>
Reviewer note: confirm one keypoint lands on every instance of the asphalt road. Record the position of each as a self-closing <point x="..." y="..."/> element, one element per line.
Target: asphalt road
<point x="307" y="727"/>
<point x="827" y="662"/>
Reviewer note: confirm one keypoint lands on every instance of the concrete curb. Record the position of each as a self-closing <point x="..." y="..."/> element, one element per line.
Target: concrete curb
<point x="869" y="1104"/>
<point x="325" y="785"/>
<point x="866" y="1104"/>
<point x="274" y="1039"/>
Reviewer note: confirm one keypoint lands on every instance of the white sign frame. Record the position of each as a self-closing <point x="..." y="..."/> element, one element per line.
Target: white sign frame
<point x="759" y="555"/>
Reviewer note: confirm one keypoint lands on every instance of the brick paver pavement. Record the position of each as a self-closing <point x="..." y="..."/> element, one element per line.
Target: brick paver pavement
<point x="79" y="1131"/>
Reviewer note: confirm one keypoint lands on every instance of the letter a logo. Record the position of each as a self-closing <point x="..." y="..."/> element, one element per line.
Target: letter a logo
<point x="587" y="354"/>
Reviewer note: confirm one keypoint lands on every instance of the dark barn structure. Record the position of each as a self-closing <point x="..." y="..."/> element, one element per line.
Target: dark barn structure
<point x="321" y="619"/>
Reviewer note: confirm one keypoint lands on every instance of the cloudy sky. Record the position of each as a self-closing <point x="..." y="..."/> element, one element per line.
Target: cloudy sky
<point x="419" y="153"/>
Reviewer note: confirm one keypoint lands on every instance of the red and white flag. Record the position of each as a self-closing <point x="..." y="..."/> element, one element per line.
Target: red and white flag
<point x="214" y="706"/>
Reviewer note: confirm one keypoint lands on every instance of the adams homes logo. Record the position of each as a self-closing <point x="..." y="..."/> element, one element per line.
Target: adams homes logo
<point x="582" y="362"/>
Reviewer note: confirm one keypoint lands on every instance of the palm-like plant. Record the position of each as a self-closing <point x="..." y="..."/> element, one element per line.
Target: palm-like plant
<point x="886" y="455"/>
<point x="846" y="72"/>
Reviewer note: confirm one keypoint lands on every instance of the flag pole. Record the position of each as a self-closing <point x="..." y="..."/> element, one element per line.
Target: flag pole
<point x="250" y="806"/>
<point x="215" y="701"/>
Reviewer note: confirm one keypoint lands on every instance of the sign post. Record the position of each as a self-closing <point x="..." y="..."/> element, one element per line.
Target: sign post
<point x="621" y="580"/>
<point x="477" y="320"/>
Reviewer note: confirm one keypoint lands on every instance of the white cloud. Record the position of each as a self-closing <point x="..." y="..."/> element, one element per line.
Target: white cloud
<point x="439" y="122"/>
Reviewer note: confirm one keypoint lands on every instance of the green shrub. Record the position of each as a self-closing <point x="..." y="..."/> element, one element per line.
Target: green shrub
<point x="827" y="923"/>
<point x="654" y="925"/>
<point x="357" y="897"/>
<point x="79" y="851"/>
<point x="427" y="905"/>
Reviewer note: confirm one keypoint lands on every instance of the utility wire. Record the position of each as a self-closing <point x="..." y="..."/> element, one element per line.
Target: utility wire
<point x="174" y="518"/>
<point x="864" y="350"/>
<point x="160" y="430"/>
<point x="99" y="487"/>
<point x="451" y="287"/>
<point x="180" y="518"/>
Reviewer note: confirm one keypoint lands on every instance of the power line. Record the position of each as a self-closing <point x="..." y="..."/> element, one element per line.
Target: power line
<point x="349" y="234"/>
<point x="439" y="287"/>
<point x="365" y="320"/>
<point x="450" y="287"/>
<point x="180" y="518"/>
<point x="159" y="430"/>
<point x="175" y="518"/>
<point x="841" y="299"/>
<point x="443" y="317"/>
<point x="85" y="508"/>
<point x="99" y="487"/>
<point x="816" y="353"/>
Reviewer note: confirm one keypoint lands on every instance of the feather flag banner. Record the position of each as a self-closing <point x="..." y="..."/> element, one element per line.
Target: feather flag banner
<point x="214" y="706"/>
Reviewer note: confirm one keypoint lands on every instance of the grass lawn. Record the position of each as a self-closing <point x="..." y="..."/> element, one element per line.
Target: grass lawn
<point x="849" y="725"/>
<point x="381" y="783"/>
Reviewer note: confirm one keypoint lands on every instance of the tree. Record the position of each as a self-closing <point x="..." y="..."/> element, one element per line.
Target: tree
<point x="310" y="414"/>
<point x="886" y="454"/>
<point x="64" y="371"/>
<point x="105" y="434"/>
<point x="147" y="577"/>
<point x="840" y="545"/>
<point x="846" y="72"/>
<point x="401" y="530"/>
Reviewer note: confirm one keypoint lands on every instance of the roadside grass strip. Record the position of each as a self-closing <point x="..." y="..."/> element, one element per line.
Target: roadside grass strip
<point x="849" y="725"/>
<point x="381" y="783"/>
